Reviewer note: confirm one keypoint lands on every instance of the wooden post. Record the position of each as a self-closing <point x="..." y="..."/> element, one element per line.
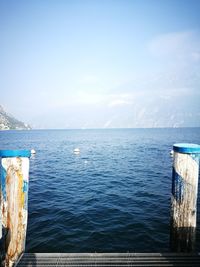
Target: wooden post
<point x="184" y="197"/>
<point x="14" y="199"/>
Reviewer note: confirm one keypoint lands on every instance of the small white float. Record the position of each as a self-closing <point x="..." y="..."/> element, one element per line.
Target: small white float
<point x="76" y="151"/>
<point x="33" y="151"/>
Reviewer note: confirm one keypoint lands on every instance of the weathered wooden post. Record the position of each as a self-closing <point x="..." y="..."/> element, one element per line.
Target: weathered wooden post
<point x="14" y="200"/>
<point x="184" y="197"/>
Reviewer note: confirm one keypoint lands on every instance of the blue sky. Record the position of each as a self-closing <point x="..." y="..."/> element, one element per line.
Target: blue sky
<point x="101" y="64"/>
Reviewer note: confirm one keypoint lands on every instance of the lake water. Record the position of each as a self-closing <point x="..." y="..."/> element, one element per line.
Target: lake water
<point x="112" y="197"/>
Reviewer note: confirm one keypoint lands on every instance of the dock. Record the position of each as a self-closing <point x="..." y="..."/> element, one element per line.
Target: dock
<point x="109" y="259"/>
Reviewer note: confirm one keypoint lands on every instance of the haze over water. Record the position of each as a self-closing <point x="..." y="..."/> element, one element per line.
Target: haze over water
<point x="101" y="64"/>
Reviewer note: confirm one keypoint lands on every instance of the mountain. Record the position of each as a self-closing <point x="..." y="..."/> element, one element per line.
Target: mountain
<point x="8" y="122"/>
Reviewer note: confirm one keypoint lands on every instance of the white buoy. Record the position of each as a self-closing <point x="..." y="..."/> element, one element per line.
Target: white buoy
<point x="33" y="151"/>
<point x="76" y="151"/>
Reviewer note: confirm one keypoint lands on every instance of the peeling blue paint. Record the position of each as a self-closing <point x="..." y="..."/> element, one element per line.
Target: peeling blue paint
<point x="25" y="190"/>
<point x="25" y="186"/>
<point x="178" y="186"/>
<point x="195" y="157"/>
<point x="3" y="182"/>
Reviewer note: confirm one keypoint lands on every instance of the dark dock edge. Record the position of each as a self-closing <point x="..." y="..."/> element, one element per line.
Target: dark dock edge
<point x="109" y="259"/>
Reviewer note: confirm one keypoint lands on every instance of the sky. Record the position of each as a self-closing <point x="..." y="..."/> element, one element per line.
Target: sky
<point x="101" y="64"/>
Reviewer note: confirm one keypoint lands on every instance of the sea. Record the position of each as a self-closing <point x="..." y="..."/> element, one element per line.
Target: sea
<point x="113" y="196"/>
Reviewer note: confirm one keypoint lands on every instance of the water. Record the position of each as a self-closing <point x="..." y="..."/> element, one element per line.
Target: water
<point x="112" y="197"/>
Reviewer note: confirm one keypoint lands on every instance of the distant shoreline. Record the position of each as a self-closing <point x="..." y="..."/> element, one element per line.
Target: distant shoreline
<point x="86" y="129"/>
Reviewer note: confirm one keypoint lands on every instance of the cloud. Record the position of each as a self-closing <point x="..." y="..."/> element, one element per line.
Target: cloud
<point x="196" y="56"/>
<point x="177" y="46"/>
<point x="165" y="95"/>
<point x="118" y="102"/>
<point x="89" y="98"/>
<point x="107" y="124"/>
<point x="89" y="79"/>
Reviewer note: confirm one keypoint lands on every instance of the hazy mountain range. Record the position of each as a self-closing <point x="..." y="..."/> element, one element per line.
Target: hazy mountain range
<point x="8" y="122"/>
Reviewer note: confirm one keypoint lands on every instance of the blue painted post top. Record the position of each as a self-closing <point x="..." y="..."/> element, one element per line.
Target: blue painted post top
<point x="15" y="153"/>
<point x="187" y="148"/>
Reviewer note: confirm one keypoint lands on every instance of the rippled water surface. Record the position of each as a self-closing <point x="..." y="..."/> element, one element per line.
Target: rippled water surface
<point x="112" y="197"/>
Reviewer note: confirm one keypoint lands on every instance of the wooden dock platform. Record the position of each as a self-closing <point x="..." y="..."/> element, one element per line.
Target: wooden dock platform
<point x="109" y="259"/>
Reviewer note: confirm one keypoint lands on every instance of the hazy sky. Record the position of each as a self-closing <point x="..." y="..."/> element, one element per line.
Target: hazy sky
<point x="94" y="64"/>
